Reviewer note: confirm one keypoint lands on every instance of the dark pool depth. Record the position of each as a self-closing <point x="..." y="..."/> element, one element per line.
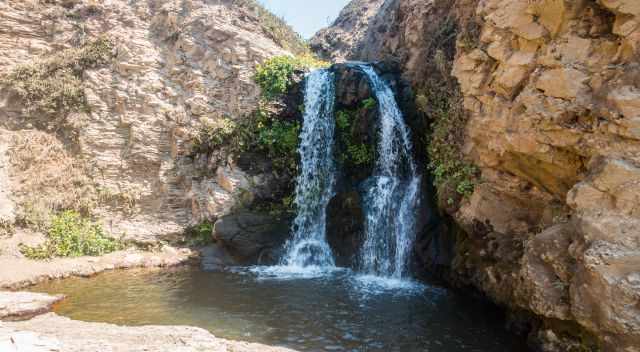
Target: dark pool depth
<point x="319" y="314"/>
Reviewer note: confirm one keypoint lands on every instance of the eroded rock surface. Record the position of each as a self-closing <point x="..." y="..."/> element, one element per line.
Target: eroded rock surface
<point x="337" y="41"/>
<point x="178" y="66"/>
<point x="552" y="89"/>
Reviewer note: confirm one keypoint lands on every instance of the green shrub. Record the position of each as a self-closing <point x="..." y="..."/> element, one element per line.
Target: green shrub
<point x="201" y="234"/>
<point x="71" y="235"/>
<point x="275" y="75"/>
<point x="280" y="140"/>
<point x="354" y="153"/>
<point x="259" y="132"/>
<point x="360" y="154"/>
<point x="343" y="121"/>
<point x="369" y="103"/>
<point x="276" y="138"/>
<point x="54" y="84"/>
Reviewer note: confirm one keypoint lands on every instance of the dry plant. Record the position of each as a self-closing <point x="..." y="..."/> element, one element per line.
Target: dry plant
<point x="48" y="179"/>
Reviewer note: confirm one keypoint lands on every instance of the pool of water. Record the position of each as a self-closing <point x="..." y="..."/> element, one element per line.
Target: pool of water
<point x="335" y="311"/>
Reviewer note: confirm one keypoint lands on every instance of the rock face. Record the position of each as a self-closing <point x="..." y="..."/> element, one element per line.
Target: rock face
<point x="552" y="91"/>
<point x="178" y="66"/>
<point x="337" y="41"/>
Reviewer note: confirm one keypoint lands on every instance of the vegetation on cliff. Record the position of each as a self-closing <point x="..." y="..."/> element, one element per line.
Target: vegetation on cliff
<point x="269" y="130"/>
<point x="263" y="130"/>
<point x="53" y="85"/>
<point x="275" y="76"/>
<point x="452" y="173"/>
<point x="440" y="99"/>
<point x="200" y="234"/>
<point x="353" y="150"/>
<point x="71" y="235"/>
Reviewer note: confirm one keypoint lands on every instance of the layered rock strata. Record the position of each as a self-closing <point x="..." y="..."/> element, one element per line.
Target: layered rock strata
<point x="178" y="66"/>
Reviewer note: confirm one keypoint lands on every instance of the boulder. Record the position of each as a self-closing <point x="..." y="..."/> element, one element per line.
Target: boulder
<point x="215" y="257"/>
<point x="252" y="237"/>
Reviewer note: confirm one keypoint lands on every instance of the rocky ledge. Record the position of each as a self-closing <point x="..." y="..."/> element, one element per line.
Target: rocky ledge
<point x="25" y="272"/>
<point x="52" y="333"/>
<point x="25" y="305"/>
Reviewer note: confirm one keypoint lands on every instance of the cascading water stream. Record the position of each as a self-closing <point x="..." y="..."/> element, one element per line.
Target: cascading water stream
<point x="308" y="247"/>
<point x="392" y="195"/>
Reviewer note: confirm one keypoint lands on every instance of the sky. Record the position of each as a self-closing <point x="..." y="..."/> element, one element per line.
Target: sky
<point x="306" y="16"/>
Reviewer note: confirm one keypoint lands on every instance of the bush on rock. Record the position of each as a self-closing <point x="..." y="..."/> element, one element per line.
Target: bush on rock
<point x="71" y="235"/>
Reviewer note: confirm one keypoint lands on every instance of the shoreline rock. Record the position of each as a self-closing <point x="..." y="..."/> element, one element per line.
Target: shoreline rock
<point x="53" y="333"/>
<point x="25" y="272"/>
<point x="15" y="306"/>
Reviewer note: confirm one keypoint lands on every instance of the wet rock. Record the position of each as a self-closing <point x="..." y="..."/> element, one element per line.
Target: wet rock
<point x="252" y="237"/>
<point x="345" y="226"/>
<point x="215" y="257"/>
<point x="351" y="85"/>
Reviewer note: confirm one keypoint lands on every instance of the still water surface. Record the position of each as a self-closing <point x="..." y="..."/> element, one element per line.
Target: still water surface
<point x="333" y="312"/>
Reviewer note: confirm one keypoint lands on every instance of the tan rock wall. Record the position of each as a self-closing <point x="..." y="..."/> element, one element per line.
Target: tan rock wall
<point x="179" y="65"/>
<point x="553" y="92"/>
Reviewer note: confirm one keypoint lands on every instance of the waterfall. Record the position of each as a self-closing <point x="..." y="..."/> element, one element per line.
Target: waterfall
<point x="315" y="183"/>
<point x="392" y="192"/>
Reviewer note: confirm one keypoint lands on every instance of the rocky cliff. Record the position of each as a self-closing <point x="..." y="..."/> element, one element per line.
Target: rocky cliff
<point x="547" y="98"/>
<point x="102" y="101"/>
